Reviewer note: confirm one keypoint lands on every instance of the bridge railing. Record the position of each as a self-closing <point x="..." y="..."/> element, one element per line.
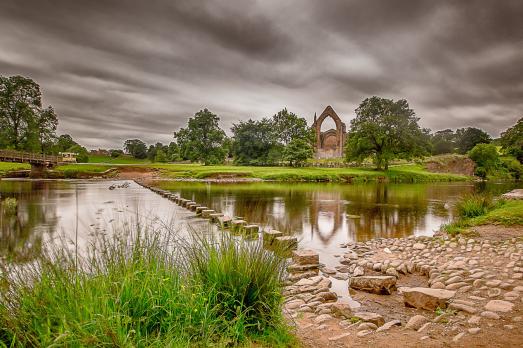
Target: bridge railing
<point x="21" y="156"/>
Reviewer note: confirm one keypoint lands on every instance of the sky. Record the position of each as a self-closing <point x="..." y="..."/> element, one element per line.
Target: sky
<point x="116" y="70"/>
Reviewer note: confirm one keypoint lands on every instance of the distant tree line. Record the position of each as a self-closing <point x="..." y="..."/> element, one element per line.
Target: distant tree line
<point x="26" y="125"/>
<point x="383" y="130"/>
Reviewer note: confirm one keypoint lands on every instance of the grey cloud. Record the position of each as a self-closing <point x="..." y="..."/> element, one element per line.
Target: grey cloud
<point x="138" y="69"/>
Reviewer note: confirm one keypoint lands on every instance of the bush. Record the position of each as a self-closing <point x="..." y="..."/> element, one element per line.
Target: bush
<point x="513" y="166"/>
<point x="474" y="205"/>
<point x="147" y="290"/>
<point x="486" y="157"/>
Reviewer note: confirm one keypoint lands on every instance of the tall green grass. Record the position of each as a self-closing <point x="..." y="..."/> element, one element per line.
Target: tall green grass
<point x="147" y="290"/>
<point x="474" y="205"/>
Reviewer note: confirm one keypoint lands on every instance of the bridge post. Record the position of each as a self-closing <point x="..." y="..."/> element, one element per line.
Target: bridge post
<point x="38" y="170"/>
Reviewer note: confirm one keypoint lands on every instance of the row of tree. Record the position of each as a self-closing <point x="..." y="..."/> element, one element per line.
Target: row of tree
<point x="26" y="125"/>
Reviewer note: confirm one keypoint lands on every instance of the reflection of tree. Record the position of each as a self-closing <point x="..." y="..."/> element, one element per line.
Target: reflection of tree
<point x="21" y="234"/>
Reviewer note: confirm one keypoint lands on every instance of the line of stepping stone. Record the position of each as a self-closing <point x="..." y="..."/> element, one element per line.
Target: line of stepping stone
<point x="271" y="238"/>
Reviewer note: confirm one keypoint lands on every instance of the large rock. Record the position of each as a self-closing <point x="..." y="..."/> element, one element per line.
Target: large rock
<point x="427" y="298"/>
<point x="370" y="317"/>
<point x="374" y="284"/>
<point x="341" y="310"/>
<point x="306" y="257"/>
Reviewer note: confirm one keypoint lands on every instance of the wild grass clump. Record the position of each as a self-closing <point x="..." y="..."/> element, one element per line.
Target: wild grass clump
<point x="474" y="205"/>
<point x="146" y="290"/>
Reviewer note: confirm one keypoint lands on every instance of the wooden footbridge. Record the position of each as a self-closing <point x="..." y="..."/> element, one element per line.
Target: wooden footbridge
<point x="39" y="162"/>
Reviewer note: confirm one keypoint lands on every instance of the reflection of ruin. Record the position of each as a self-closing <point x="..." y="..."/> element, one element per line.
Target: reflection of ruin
<point x="326" y="205"/>
<point x="329" y="144"/>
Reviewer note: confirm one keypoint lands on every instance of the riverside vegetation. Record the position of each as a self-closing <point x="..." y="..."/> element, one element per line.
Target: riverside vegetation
<point x="481" y="209"/>
<point x="142" y="288"/>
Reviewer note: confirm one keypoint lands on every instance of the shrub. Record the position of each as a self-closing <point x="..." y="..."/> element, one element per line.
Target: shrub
<point x="486" y="157"/>
<point x="146" y="290"/>
<point x="474" y="205"/>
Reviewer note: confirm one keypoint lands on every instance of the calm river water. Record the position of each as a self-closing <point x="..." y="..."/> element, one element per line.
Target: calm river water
<point x="321" y="215"/>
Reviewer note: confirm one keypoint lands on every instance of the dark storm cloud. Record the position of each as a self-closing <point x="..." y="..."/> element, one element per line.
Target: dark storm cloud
<point x="138" y="69"/>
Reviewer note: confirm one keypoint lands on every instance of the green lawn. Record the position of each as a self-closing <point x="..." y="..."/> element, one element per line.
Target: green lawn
<point x="404" y="173"/>
<point x="8" y="167"/>
<point x="118" y="160"/>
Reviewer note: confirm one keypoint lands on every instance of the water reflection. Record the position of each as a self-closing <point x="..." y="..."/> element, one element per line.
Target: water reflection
<point x="321" y="214"/>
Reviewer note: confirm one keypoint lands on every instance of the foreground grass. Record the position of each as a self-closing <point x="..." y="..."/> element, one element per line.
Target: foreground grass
<point x="476" y="210"/>
<point x="404" y="173"/>
<point x="6" y="167"/>
<point x="148" y="291"/>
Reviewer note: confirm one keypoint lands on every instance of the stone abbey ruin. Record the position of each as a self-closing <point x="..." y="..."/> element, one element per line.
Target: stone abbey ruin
<point x="330" y="143"/>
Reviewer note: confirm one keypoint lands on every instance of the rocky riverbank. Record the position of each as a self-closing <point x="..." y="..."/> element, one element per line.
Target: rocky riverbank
<point x="437" y="290"/>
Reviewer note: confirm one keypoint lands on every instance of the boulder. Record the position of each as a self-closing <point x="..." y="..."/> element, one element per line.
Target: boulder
<point x="370" y="317"/>
<point x="374" y="284"/>
<point x="427" y="298"/>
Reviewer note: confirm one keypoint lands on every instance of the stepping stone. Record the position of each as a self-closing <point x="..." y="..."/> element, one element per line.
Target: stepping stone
<point x="236" y="225"/>
<point x="270" y="236"/>
<point x="251" y="229"/>
<point x="305" y="257"/>
<point x="199" y="210"/>
<point x="285" y="243"/>
<point x="214" y="216"/>
<point x="224" y="221"/>
<point x="206" y="213"/>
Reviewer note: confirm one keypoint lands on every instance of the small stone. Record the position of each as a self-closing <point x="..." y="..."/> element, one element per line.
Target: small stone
<point x="416" y="322"/>
<point x="419" y="246"/>
<point x="474" y="320"/>
<point x="343" y="310"/>
<point x="320" y="319"/>
<point x="388" y="325"/>
<point x="367" y="326"/>
<point x="358" y="271"/>
<point x="474" y="330"/>
<point x="364" y="333"/>
<point x="370" y="317"/>
<point x="499" y="306"/>
<point x="339" y="337"/>
<point x="458" y="337"/>
<point x="489" y="315"/>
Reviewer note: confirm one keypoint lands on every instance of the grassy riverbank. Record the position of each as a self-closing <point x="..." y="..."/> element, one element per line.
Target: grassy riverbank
<point x="148" y="291"/>
<point x="404" y="173"/>
<point x="478" y="210"/>
<point x="6" y="167"/>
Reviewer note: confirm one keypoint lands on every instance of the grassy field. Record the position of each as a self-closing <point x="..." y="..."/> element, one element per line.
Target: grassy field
<point x="148" y="290"/>
<point x="8" y="167"/>
<point x="404" y="173"/>
<point x="400" y="173"/>
<point x="476" y="210"/>
<point x="118" y="160"/>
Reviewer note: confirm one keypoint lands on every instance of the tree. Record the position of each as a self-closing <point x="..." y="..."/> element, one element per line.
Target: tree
<point x="64" y="143"/>
<point x="443" y="141"/>
<point x="298" y="151"/>
<point x="255" y="143"/>
<point x="24" y="124"/>
<point x="486" y="157"/>
<point x="385" y="130"/>
<point x="289" y="126"/>
<point x="82" y="156"/>
<point x="136" y="148"/>
<point x="203" y="139"/>
<point x="512" y="140"/>
<point x="467" y="138"/>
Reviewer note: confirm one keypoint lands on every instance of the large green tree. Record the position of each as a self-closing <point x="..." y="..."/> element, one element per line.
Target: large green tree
<point x="467" y="138"/>
<point x="255" y="142"/>
<point x="443" y="141"/>
<point x="136" y="148"/>
<point x="512" y="140"/>
<point x="24" y="124"/>
<point x="385" y="129"/>
<point x="203" y="140"/>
